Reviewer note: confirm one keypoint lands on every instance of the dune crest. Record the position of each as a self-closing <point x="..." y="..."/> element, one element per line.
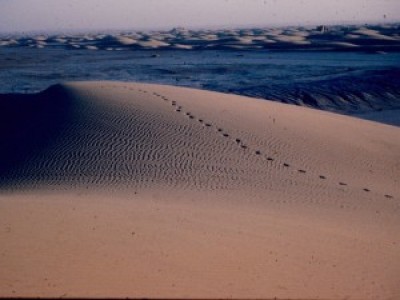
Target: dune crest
<point x="110" y="189"/>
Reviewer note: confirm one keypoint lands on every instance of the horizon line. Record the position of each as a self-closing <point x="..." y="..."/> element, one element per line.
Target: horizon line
<point x="195" y="28"/>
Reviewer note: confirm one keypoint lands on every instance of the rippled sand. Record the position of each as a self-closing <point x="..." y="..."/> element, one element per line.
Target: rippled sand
<point x="131" y="190"/>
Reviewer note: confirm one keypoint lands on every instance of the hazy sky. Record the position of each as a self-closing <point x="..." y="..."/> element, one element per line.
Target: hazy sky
<point x="56" y="15"/>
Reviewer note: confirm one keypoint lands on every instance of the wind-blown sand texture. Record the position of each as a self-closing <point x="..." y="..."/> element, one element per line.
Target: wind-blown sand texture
<point x="131" y="190"/>
<point x="339" y="38"/>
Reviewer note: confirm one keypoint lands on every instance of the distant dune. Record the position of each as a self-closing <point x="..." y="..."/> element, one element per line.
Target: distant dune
<point x="332" y="38"/>
<point x="111" y="189"/>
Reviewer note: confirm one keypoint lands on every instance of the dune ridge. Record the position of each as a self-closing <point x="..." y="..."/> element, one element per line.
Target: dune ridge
<point x="200" y="193"/>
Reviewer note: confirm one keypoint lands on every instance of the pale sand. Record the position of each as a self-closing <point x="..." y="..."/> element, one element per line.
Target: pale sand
<point x="134" y="190"/>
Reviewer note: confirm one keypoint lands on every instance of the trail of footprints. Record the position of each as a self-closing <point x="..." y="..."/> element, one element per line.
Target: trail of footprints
<point x="239" y="141"/>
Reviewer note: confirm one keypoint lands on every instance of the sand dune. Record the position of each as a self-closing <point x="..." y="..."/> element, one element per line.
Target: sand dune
<point x="119" y="40"/>
<point x="134" y="190"/>
<point x="370" y="38"/>
<point x="152" y="44"/>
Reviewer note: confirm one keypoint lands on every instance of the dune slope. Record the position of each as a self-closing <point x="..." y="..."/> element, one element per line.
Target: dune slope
<point x="134" y="190"/>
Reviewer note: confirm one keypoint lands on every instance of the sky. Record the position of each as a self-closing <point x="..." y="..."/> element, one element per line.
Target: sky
<point x="72" y="15"/>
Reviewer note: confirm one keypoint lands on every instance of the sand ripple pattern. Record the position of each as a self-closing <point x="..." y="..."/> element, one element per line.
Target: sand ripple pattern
<point x="116" y="141"/>
<point x="260" y="153"/>
<point x="132" y="136"/>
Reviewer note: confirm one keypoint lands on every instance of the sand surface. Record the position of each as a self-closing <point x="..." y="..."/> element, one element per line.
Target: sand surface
<point x="114" y="189"/>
